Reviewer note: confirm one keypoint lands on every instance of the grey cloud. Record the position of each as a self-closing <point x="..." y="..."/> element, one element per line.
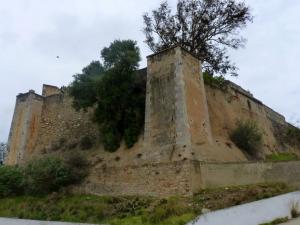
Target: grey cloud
<point x="269" y="63"/>
<point x="33" y="33"/>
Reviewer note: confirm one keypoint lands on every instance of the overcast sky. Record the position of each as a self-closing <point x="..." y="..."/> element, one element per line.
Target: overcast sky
<point x="34" y="32"/>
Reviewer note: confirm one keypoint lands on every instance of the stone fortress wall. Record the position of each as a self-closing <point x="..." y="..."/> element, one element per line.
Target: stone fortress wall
<point x="43" y="123"/>
<point x="185" y="145"/>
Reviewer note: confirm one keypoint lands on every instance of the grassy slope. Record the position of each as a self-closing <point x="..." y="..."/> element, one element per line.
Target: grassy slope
<point x="132" y="210"/>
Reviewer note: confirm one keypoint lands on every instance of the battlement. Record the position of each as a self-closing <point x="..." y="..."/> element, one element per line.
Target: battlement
<point x="29" y="94"/>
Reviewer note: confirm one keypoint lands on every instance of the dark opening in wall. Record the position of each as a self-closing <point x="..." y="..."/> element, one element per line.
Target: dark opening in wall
<point x="249" y="105"/>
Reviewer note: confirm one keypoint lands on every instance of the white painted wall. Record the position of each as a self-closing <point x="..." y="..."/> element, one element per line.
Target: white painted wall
<point x="252" y="213"/>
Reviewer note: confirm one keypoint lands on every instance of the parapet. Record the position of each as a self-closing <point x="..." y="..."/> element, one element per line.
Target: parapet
<point x="49" y="90"/>
<point x="31" y="93"/>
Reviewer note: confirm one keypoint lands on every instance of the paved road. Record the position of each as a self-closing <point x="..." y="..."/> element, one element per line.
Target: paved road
<point x="292" y="222"/>
<point x="5" y="221"/>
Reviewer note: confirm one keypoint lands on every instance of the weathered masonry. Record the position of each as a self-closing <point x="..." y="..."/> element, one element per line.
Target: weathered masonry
<point x="185" y="145"/>
<point x="41" y="122"/>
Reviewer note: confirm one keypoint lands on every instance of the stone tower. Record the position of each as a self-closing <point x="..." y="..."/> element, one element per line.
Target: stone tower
<point x="25" y="125"/>
<point x="177" y="119"/>
<point x="24" y="128"/>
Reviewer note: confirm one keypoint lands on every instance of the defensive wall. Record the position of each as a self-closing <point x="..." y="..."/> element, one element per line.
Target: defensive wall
<point x="185" y="145"/>
<point x="44" y="123"/>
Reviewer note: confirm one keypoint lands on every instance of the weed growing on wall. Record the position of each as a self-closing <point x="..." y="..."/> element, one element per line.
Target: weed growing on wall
<point x="247" y="137"/>
<point x="215" y="81"/>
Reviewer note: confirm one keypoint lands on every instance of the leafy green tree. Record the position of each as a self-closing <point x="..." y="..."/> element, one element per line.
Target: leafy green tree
<point x="83" y="88"/>
<point x="118" y="94"/>
<point x="46" y="175"/>
<point x="207" y="28"/>
<point x="121" y="54"/>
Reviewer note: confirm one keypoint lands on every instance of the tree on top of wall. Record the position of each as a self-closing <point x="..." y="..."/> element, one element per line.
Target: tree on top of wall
<point x="113" y="88"/>
<point x="207" y="28"/>
<point x="83" y="88"/>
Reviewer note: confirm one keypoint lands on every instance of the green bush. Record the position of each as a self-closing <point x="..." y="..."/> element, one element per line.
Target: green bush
<point x="215" y="81"/>
<point x="111" y="138"/>
<point x="46" y="175"/>
<point x="43" y="176"/>
<point x="11" y="181"/>
<point x="247" y="137"/>
<point x="77" y="164"/>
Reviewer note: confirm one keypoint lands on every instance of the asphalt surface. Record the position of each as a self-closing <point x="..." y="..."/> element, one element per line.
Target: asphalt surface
<point x="292" y="222"/>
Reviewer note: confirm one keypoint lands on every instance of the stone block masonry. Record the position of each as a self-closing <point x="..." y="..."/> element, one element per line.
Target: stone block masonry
<point x="231" y="174"/>
<point x="157" y="179"/>
<point x="185" y="145"/>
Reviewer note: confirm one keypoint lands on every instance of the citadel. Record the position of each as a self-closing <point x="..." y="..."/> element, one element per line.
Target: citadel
<point x="185" y="145"/>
